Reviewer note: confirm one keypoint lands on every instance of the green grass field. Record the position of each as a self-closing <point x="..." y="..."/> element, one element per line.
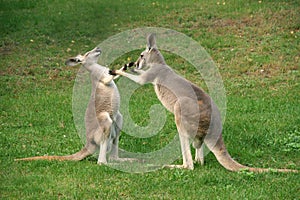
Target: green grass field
<point x="255" y="45"/>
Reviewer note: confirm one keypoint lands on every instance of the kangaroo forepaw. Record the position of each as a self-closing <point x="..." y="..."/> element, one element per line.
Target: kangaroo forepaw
<point x="112" y="72"/>
<point x="127" y="65"/>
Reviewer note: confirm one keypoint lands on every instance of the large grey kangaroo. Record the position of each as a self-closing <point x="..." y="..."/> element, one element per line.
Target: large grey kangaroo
<point x="196" y="115"/>
<point x="103" y="121"/>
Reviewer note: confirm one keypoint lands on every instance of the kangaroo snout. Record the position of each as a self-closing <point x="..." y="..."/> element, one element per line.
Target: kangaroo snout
<point x="98" y="49"/>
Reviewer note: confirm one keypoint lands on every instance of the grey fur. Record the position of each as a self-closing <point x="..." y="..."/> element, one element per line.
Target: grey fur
<point x="196" y="115"/>
<point x="103" y="121"/>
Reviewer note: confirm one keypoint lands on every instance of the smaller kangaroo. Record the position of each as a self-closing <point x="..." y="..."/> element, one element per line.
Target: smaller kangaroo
<point x="103" y="121"/>
<point x="196" y="115"/>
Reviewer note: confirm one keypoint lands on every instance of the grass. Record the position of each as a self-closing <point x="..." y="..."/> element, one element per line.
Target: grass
<point x="255" y="45"/>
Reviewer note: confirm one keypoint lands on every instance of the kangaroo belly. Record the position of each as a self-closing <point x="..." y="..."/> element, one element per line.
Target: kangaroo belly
<point x="168" y="99"/>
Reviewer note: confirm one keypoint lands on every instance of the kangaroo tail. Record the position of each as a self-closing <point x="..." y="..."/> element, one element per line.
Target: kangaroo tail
<point x="230" y="164"/>
<point x="76" y="156"/>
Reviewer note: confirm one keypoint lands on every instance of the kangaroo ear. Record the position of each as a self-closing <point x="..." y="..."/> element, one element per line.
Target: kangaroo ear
<point x="73" y="61"/>
<point x="151" y="42"/>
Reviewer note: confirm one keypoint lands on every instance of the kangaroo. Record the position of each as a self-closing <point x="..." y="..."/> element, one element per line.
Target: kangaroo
<point x="103" y="121"/>
<point x="197" y="117"/>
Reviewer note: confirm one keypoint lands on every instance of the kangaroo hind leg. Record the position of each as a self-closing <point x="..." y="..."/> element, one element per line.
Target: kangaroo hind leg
<point x="186" y="119"/>
<point x="199" y="147"/>
<point x="115" y="134"/>
<point x="102" y="135"/>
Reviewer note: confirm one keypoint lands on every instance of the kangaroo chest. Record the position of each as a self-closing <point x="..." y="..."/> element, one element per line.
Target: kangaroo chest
<point x="166" y="96"/>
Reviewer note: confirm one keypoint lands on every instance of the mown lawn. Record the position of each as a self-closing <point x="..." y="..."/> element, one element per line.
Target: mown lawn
<point x="255" y="45"/>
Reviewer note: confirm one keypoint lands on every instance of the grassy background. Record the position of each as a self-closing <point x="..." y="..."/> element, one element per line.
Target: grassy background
<point x="255" y="44"/>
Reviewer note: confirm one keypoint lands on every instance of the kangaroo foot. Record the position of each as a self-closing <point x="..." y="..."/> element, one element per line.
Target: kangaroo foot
<point x="179" y="167"/>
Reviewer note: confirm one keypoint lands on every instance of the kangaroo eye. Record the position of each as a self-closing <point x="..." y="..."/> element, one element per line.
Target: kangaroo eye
<point x="142" y="55"/>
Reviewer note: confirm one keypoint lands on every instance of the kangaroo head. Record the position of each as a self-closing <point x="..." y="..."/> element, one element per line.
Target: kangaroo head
<point x="150" y="55"/>
<point x="89" y="57"/>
